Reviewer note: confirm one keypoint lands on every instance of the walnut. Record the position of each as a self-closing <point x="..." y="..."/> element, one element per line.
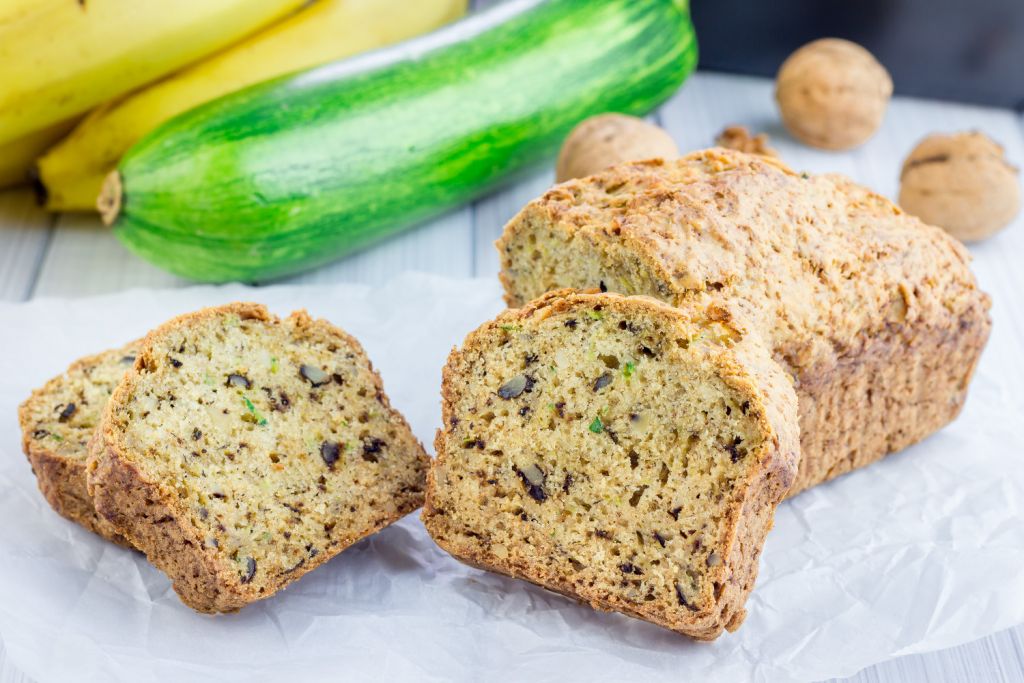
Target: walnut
<point x="832" y="94"/>
<point x="740" y="139"/>
<point x="608" y="139"/>
<point x="961" y="183"/>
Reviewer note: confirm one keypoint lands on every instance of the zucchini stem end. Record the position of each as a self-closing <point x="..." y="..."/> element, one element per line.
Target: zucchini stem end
<point x="109" y="201"/>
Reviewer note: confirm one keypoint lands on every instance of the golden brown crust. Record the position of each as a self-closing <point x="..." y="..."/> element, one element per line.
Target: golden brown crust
<point x="61" y="473"/>
<point x="894" y="393"/>
<point x="149" y="518"/>
<point x="62" y="483"/>
<point x="152" y="516"/>
<point x="745" y="365"/>
<point x="860" y="302"/>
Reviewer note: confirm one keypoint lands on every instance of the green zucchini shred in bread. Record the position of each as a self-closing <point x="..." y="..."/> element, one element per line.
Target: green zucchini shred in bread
<point x="57" y="422"/>
<point x="243" y="451"/>
<point x="875" y="315"/>
<point x="618" y="450"/>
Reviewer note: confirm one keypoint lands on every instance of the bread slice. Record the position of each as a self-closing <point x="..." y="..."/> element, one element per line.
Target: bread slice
<point x="58" y="420"/>
<point x="875" y="315"/>
<point x="243" y="451"/>
<point x="617" y="450"/>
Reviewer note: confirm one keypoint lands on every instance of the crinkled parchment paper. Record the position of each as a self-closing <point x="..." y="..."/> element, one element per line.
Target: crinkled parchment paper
<point x="922" y="551"/>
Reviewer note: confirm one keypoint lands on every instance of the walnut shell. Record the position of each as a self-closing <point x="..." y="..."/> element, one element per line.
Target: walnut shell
<point x="961" y="183"/>
<point x="832" y="94"/>
<point x="608" y="139"/>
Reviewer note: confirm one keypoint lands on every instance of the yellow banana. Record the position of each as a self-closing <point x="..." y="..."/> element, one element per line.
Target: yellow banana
<point x="73" y="171"/>
<point x="58" y="58"/>
<point x="18" y="156"/>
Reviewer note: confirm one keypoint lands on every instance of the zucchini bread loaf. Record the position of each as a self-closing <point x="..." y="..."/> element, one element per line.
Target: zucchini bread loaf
<point x="243" y="451"/>
<point x="57" y="422"/>
<point x="617" y="450"/>
<point x="875" y="315"/>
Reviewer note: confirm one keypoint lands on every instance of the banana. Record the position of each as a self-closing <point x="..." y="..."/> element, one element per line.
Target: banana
<point x="59" y="58"/>
<point x="73" y="171"/>
<point x="18" y="156"/>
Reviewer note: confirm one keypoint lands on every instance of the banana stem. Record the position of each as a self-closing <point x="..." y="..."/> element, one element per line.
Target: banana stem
<point x="109" y="201"/>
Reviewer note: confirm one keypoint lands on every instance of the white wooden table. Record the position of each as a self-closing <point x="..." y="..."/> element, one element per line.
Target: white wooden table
<point x="73" y="256"/>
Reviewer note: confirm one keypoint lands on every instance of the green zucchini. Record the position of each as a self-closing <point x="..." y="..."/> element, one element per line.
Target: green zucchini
<point x="295" y="172"/>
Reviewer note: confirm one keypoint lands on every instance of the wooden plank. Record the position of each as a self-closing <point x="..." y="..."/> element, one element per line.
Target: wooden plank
<point x="995" y="658"/>
<point x="440" y="246"/>
<point x="708" y="102"/>
<point x="84" y="258"/>
<point x="25" y="231"/>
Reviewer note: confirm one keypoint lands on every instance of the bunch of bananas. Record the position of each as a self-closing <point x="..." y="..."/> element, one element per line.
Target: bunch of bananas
<point x="83" y="80"/>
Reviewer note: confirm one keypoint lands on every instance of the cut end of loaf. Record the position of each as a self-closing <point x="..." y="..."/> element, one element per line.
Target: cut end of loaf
<point x="110" y="199"/>
<point x="57" y="423"/>
<point x="61" y="416"/>
<point x="858" y="300"/>
<point x="245" y="450"/>
<point x="608" y="448"/>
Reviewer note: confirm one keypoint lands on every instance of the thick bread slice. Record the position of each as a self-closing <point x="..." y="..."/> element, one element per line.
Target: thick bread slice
<point x="243" y="451"/>
<point x="874" y="314"/>
<point x="617" y="450"/>
<point x="58" y="420"/>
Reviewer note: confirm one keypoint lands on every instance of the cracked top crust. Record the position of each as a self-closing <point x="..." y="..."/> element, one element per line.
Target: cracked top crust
<point x="821" y="263"/>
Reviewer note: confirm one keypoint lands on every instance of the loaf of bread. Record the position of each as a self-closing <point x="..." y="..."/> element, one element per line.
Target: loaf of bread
<point x="618" y="450"/>
<point x="58" y="420"/>
<point x="875" y="315"/>
<point x="243" y="451"/>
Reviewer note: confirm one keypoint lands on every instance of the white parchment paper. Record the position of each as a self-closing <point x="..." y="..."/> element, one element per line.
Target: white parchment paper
<point x="921" y="551"/>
